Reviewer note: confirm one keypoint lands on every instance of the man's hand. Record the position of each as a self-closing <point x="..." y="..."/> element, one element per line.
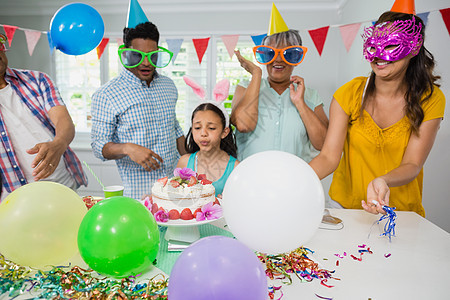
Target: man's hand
<point x="47" y="158"/>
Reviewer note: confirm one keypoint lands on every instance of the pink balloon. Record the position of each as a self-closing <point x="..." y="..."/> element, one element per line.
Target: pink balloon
<point x="218" y="268"/>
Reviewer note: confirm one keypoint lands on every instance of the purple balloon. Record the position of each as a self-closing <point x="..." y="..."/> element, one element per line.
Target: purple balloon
<point x="218" y="268"/>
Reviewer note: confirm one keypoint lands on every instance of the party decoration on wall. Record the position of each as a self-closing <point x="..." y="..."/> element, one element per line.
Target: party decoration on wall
<point x="32" y="37"/>
<point x="217" y="268"/>
<point x="39" y="224"/>
<point x="230" y="42"/>
<point x="424" y="17"/>
<point x="50" y="43"/>
<point x="446" y="17"/>
<point x="276" y="22"/>
<point x="257" y="39"/>
<point x="319" y="37"/>
<point x="348" y="34"/>
<point x="174" y="45"/>
<point x="101" y="47"/>
<point x="10" y="31"/>
<point x="76" y="29"/>
<point x="118" y="237"/>
<point x="262" y="186"/>
<point x="135" y="15"/>
<point x="404" y="6"/>
<point x="200" y="47"/>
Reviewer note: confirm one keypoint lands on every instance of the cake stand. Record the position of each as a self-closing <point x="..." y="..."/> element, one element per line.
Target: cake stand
<point x="183" y="230"/>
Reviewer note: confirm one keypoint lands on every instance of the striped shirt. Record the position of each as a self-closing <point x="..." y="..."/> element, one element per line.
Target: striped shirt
<point x="39" y="94"/>
<point x="127" y="110"/>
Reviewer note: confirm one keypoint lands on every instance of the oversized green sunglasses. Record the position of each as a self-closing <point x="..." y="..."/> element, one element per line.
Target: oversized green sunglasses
<point x="131" y="58"/>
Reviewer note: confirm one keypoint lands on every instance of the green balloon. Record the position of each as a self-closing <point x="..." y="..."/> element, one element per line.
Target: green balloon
<point x="118" y="237"/>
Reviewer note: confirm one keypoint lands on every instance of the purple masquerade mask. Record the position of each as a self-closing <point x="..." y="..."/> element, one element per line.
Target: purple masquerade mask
<point x="391" y="41"/>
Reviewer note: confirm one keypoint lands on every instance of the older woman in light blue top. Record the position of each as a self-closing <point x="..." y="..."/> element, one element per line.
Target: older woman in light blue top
<point x="278" y="113"/>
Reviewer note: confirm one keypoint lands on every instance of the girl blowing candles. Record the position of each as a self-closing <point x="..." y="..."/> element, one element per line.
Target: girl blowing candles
<point x="386" y="124"/>
<point x="210" y="142"/>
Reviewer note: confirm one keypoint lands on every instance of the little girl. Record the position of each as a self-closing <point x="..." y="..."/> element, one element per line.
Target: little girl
<point x="210" y="142"/>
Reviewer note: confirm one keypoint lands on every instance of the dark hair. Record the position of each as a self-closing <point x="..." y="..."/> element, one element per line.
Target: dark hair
<point x="227" y="144"/>
<point x="146" y="31"/>
<point x="419" y="77"/>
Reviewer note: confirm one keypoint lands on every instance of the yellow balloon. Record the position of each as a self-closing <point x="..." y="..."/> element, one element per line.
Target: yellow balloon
<point x="39" y="224"/>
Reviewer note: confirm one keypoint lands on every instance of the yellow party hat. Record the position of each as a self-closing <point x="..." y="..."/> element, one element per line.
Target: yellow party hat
<point x="276" y="23"/>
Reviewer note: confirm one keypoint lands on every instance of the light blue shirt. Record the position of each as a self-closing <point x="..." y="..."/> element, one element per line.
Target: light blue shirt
<point x="279" y="126"/>
<point x="126" y="110"/>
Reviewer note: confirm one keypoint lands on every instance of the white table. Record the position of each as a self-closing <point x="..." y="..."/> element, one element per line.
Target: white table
<point x="417" y="268"/>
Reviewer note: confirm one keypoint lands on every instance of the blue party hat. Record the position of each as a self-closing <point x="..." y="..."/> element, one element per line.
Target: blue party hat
<point x="136" y="15"/>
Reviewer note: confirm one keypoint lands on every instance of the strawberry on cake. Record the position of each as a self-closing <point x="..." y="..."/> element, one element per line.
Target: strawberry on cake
<point x="185" y="196"/>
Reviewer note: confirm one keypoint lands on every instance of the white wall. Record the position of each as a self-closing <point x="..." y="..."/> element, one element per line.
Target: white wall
<point x="324" y="73"/>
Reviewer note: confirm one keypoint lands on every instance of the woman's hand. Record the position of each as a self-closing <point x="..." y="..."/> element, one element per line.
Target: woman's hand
<point x="247" y="64"/>
<point x="377" y="196"/>
<point x="297" y="94"/>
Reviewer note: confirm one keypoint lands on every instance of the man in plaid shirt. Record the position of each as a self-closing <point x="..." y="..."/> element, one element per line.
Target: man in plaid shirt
<point x="133" y="115"/>
<point x="35" y="129"/>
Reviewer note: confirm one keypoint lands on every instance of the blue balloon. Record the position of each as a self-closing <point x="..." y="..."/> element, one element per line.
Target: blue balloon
<point x="76" y="29"/>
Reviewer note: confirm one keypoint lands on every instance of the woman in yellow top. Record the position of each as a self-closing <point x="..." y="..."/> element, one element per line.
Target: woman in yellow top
<point x="386" y="124"/>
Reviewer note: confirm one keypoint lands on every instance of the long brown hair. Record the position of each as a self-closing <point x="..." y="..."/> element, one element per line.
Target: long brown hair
<point x="419" y="77"/>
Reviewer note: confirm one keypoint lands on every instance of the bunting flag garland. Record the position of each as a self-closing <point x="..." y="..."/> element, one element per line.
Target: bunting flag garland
<point x="257" y="39"/>
<point x="319" y="36"/>
<point x="101" y="47"/>
<point x="348" y="33"/>
<point x="50" y="43"/>
<point x="10" y="30"/>
<point x="230" y="42"/>
<point x="174" y="45"/>
<point x="446" y="17"/>
<point x="424" y="17"/>
<point x="200" y="47"/>
<point x="32" y="37"/>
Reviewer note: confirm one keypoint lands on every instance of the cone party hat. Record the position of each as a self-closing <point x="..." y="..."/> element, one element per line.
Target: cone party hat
<point x="404" y="6"/>
<point x="276" y="23"/>
<point x="136" y="15"/>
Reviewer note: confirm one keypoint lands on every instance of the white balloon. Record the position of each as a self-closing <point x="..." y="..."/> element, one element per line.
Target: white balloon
<point x="273" y="202"/>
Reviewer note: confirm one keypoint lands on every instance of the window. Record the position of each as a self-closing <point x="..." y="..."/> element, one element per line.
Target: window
<point x="78" y="77"/>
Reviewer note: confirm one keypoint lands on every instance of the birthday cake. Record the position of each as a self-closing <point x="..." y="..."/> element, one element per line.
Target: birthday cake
<point x="185" y="196"/>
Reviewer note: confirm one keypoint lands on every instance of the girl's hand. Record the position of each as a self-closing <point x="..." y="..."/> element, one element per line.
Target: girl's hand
<point x="247" y="64"/>
<point x="297" y="94"/>
<point x="377" y="196"/>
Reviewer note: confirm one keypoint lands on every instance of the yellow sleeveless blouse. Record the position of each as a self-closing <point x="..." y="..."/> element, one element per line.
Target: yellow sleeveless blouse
<point x="370" y="151"/>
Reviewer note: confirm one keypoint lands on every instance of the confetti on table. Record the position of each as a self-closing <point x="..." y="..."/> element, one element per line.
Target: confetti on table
<point x="321" y="297"/>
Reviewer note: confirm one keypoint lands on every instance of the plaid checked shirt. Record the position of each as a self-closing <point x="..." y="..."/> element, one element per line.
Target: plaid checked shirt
<point x="39" y="94"/>
<point x="126" y="110"/>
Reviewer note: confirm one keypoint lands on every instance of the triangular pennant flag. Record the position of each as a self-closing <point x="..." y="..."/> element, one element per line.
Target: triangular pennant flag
<point x="200" y="47"/>
<point x="348" y="33"/>
<point x="32" y="37"/>
<point x="446" y="17"/>
<point x="10" y="30"/>
<point x="50" y="42"/>
<point x="230" y="42"/>
<point x="319" y="36"/>
<point x="257" y="39"/>
<point x="119" y="41"/>
<point x="174" y="45"/>
<point x="135" y="15"/>
<point x="404" y="6"/>
<point x="101" y="47"/>
<point x="424" y="17"/>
